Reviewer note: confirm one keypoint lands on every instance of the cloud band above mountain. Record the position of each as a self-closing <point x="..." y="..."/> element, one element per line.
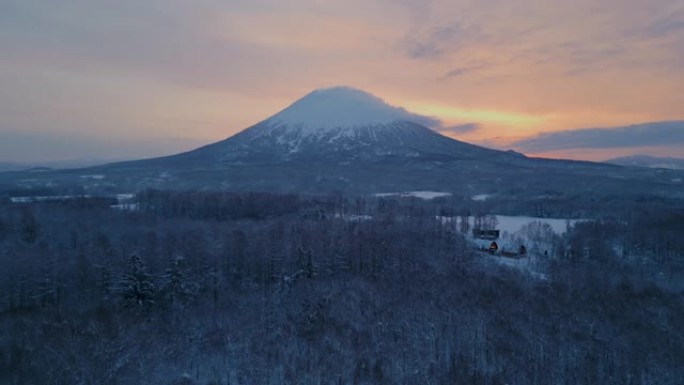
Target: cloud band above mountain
<point x="459" y="129"/>
<point x="670" y="133"/>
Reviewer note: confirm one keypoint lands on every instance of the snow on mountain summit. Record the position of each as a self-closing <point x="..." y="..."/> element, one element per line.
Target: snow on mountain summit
<point x="340" y="108"/>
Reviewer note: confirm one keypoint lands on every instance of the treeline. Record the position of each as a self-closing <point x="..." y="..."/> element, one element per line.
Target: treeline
<point x="217" y="206"/>
<point x="208" y="288"/>
<point x="555" y="204"/>
<point x="649" y="242"/>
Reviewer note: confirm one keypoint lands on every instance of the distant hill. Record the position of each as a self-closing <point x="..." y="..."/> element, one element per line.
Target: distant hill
<point x="57" y="164"/>
<point x="7" y="166"/>
<point x="649" y="161"/>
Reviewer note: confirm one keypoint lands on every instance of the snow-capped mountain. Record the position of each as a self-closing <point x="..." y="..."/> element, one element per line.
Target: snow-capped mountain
<point x="649" y="161"/>
<point x="338" y="123"/>
<point x="346" y="140"/>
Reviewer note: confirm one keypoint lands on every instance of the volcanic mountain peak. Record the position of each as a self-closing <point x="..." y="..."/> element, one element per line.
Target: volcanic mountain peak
<point x="339" y="123"/>
<point x="332" y="109"/>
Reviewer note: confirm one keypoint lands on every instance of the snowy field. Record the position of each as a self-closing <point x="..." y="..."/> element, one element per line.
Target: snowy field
<point x="427" y="195"/>
<point x="532" y="232"/>
<point x="513" y="224"/>
<point x="481" y="197"/>
<point x="54" y="198"/>
<point x="124" y="201"/>
<point x="536" y="234"/>
<point x="94" y="177"/>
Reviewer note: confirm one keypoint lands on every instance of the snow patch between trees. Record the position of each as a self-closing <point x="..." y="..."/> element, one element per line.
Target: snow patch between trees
<point x="481" y="197"/>
<point x="427" y="195"/>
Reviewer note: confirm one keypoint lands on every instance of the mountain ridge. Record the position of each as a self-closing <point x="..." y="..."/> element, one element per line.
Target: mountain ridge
<point x="650" y="161"/>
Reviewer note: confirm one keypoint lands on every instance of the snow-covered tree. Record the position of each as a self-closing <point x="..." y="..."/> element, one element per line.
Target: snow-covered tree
<point x="177" y="287"/>
<point x="136" y="284"/>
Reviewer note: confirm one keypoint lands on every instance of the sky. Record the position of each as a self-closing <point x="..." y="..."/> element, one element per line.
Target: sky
<point x="108" y="80"/>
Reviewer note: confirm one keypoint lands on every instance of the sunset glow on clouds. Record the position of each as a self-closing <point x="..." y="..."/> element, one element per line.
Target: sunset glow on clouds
<point x="185" y="73"/>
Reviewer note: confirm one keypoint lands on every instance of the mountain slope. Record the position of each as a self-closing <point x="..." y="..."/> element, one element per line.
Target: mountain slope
<point x="339" y="124"/>
<point x="346" y="140"/>
<point x="648" y="161"/>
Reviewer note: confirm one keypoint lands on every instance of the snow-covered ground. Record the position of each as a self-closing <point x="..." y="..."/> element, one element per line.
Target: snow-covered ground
<point x="427" y="195"/>
<point x="126" y="206"/>
<point x="354" y="218"/>
<point x="531" y="232"/>
<point x="512" y="224"/>
<point x="533" y="264"/>
<point x="45" y="198"/>
<point x="481" y="197"/>
<point x="125" y="202"/>
<point x="536" y="234"/>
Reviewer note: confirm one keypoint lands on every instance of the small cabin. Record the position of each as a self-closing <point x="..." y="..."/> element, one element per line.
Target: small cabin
<point x="493" y="247"/>
<point x="486" y="234"/>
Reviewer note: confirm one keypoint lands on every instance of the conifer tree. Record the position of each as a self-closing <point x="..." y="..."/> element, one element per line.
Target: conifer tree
<point x="137" y="285"/>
